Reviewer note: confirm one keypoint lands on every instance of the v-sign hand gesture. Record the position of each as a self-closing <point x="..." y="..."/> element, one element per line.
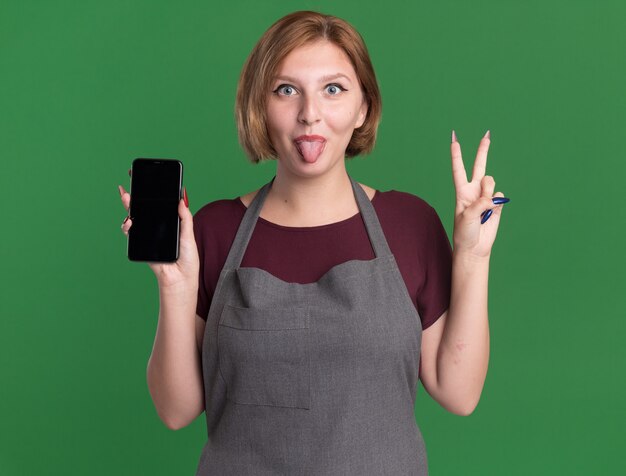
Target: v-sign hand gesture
<point x="472" y="199"/>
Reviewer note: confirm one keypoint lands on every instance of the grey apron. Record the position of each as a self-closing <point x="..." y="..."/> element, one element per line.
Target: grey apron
<point x="312" y="379"/>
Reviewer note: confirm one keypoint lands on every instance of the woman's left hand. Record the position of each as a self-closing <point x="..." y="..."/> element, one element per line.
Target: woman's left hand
<point x="472" y="199"/>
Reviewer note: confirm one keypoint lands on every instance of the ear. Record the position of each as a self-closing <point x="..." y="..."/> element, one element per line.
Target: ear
<point x="362" y="114"/>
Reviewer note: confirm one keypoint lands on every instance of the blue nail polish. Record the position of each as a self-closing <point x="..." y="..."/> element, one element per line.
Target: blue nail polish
<point x="485" y="216"/>
<point x="500" y="200"/>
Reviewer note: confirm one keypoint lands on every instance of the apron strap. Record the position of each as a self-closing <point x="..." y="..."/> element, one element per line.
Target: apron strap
<point x="244" y="233"/>
<point x="372" y="225"/>
<point x="238" y="248"/>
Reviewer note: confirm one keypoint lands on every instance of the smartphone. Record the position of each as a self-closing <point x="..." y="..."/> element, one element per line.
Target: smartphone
<point x="155" y="190"/>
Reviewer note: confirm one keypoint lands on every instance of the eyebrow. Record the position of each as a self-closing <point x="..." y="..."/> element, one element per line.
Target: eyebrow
<point x="329" y="77"/>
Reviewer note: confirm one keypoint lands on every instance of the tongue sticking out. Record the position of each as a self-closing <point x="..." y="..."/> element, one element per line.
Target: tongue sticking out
<point x="310" y="150"/>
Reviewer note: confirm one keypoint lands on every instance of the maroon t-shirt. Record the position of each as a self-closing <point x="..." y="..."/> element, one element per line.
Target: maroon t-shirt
<point x="412" y="228"/>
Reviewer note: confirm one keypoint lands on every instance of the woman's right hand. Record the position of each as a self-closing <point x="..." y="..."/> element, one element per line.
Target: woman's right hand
<point x="182" y="273"/>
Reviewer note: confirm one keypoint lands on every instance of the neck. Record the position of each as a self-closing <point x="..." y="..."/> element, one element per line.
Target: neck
<point x="323" y="197"/>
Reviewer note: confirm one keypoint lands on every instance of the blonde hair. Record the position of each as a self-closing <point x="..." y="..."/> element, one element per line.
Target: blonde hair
<point x="285" y="35"/>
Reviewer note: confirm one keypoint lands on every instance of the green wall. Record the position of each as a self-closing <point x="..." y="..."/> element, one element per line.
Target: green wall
<point x="86" y="86"/>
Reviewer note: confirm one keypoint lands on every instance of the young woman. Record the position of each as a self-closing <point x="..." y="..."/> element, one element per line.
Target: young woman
<point x="300" y="316"/>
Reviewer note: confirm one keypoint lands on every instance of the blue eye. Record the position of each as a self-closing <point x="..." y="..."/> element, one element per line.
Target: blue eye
<point x="284" y="90"/>
<point x="334" y="89"/>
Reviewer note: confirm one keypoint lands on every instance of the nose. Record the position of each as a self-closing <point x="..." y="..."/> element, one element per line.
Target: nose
<point x="309" y="110"/>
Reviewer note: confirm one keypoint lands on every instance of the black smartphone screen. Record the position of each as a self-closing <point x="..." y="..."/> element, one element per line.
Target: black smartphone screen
<point x="154" y="195"/>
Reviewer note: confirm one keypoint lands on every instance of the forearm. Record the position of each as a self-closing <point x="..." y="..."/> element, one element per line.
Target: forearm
<point x="174" y="370"/>
<point x="463" y="355"/>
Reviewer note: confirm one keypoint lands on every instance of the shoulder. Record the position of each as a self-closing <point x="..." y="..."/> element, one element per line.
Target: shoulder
<point x="219" y="215"/>
<point x="408" y="220"/>
<point x="218" y="209"/>
<point x="415" y="234"/>
<point x="403" y="205"/>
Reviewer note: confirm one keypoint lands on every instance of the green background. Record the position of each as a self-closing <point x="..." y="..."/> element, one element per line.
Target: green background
<point x="87" y="86"/>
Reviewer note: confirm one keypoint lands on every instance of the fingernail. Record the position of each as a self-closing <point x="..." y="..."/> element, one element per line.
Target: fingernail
<point x="485" y="216"/>
<point x="126" y="219"/>
<point x="185" y="197"/>
<point x="488" y="135"/>
<point x="500" y="200"/>
<point x="120" y="189"/>
<point x="454" y="139"/>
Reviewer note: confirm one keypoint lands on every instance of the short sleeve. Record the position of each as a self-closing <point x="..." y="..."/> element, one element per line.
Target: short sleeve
<point x="433" y="298"/>
<point x="214" y="226"/>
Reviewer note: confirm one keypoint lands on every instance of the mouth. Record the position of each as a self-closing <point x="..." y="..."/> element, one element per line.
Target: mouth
<point x="310" y="147"/>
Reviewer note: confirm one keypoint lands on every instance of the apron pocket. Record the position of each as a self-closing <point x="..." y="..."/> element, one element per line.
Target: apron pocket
<point x="264" y="356"/>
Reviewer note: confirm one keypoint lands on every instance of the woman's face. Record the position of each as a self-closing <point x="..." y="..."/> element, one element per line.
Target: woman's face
<point x="314" y="105"/>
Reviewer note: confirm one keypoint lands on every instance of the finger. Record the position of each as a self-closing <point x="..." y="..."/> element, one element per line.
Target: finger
<point x="125" y="196"/>
<point x="480" y="164"/>
<point x="497" y="209"/>
<point x="126" y="224"/>
<point x="484" y="216"/>
<point x="458" y="169"/>
<point x="480" y="205"/>
<point x="492" y="210"/>
<point x="487" y="186"/>
<point x="186" y="221"/>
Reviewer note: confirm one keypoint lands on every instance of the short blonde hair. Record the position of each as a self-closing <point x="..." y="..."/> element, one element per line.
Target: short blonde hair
<point x="288" y="33"/>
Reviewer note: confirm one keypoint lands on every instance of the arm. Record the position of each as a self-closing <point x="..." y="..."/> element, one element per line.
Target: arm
<point x="174" y="370"/>
<point x="455" y="349"/>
